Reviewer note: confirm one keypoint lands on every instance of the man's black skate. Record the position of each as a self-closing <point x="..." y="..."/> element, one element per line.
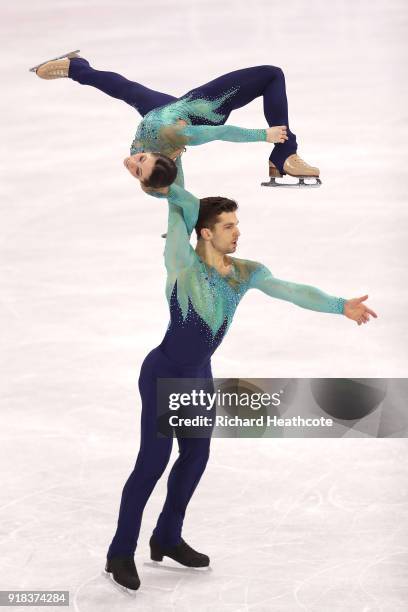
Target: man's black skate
<point x="123" y="571"/>
<point x="182" y="553"/>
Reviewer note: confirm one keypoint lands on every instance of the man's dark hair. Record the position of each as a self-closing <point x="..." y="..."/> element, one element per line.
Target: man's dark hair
<point x="163" y="174"/>
<point x="210" y="208"/>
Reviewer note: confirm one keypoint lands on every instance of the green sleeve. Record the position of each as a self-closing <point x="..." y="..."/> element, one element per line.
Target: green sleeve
<point x="304" y="296"/>
<point x="200" y="134"/>
<point x="182" y="218"/>
<point x="180" y="174"/>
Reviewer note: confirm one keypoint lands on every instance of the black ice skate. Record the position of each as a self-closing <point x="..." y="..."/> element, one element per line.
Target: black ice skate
<point x="182" y="553"/>
<point x="122" y="570"/>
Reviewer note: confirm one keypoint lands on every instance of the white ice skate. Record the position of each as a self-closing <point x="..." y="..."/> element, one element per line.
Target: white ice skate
<point x="68" y="55"/>
<point x="294" y="166"/>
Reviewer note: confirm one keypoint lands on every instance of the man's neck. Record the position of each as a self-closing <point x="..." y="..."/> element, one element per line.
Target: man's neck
<point x="212" y="257"/>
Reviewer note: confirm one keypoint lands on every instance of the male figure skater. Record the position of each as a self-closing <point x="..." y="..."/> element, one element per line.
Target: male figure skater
<point x="197" y="117"/>
<point x="204" y="286"/>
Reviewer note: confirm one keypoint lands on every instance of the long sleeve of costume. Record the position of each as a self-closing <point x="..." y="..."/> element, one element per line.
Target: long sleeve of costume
<point x="179" y="180"/>
<point x="182" y="218"/>
<point x="200" y="134"/>
<point x="189" y="204"/>
<point x="176" y="194"/>
<point x="305" y="296"/>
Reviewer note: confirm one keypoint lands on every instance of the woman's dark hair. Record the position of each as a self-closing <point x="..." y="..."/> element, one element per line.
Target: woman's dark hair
<point x="210" y="208"/>
<point x="163" y="174"/>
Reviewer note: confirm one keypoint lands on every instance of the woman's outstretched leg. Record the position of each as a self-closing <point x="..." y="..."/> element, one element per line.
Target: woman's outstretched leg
<point x="140" y="97"/>
<point x="78" y="69"/>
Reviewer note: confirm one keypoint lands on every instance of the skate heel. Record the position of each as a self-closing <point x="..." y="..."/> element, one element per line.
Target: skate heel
<point x="156" y="556"/>
<point x="274" y="172"/>
<point x="156" y="553"/>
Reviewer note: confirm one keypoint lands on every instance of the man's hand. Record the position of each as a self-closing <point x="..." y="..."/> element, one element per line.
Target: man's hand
<point x="277" y="133"/>
<point x="355" y="310"/>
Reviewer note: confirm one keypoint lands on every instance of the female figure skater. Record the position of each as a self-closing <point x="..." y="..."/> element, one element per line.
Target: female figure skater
<point x="197" y="117"/>
<point x="204" y="287"/>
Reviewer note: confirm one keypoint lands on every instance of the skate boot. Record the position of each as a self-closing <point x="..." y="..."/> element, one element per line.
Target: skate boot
<point x="56" y="68"/>
<point x="182" y="553"/>
<point x="297" y="167"/>
<point x="122" y="570"/>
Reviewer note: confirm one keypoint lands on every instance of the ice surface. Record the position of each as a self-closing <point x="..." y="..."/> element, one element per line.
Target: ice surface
<point x="314" y="525"/>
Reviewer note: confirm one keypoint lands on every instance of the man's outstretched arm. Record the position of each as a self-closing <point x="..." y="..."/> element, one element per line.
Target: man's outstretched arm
<point x="309" y="297"/>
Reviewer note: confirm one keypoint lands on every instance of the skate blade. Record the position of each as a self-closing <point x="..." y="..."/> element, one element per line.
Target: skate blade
<point x="174" y="566"/>
<point x="301" y="182"/>
<point x="34" y="68"/>
<point x="120" y="587"/>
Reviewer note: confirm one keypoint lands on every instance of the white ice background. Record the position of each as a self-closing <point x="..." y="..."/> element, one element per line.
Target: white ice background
<point x="313" y="525"/>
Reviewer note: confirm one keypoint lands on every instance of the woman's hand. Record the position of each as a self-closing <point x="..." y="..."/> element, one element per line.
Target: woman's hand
<point x="277" y="133"/>
<point x="356" y="311"/>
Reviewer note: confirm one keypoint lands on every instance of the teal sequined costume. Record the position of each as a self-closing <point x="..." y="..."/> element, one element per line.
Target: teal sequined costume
<point x="202" y="302"/>
<point x="159" y="133"/>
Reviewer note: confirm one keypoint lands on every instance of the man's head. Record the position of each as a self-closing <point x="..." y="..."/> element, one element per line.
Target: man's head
<point x="218" y="224"/>
<point x="153" y="170"/>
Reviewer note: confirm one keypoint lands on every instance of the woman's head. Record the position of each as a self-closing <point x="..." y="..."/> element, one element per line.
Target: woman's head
<point x="153" y="170"/>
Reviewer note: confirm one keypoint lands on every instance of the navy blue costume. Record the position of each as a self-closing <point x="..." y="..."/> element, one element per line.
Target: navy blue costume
<point x="232" y="90"/>
<point x="202" y="303"/>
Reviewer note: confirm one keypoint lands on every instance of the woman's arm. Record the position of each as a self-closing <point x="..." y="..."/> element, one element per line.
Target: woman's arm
<point x="179" y="136"/>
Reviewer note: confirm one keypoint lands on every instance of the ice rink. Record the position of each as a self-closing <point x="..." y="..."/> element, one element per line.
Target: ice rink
<point x="315" y="525"/>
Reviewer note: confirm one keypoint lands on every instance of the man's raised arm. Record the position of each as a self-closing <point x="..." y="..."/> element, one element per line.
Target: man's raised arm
<point x="183" y="211"/>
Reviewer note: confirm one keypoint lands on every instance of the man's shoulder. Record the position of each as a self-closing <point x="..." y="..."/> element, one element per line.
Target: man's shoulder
<point x="245" y="267"/>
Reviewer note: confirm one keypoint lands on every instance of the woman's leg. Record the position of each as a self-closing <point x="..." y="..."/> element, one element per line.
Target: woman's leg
<point x="140" y="97"/>
<point x="151" y="462"/>
<point x="244" y="86"/>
